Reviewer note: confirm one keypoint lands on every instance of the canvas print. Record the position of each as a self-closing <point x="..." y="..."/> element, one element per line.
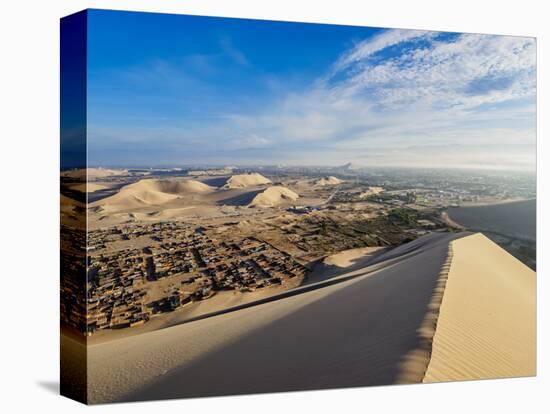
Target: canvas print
<point x="259" y="206"/>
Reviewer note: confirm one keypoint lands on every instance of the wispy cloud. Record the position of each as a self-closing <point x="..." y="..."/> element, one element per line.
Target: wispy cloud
<point x="433" y="89"/>
<point x="382" y="41"/>
<point x="233" y="52"/>
<point x="466" y="72"/>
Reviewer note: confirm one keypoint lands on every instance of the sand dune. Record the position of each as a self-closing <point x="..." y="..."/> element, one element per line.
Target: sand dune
<point x="371" y="191"/>
<point x="366" y="327"/>
<point x="342" y="263"/>
<point x="347" y="258"/>
<point x="328" y="181"/>
<point x="92" y="173"/>
<point x="273" y="196"/>
<point x="88" y="187"/>
<point x="348" y="332"/>
<point x="73" y="212"/>
<point x="68" y="205"/>
<point x="246" y="180"/>
<point x="172" y="186"/>
<point x="235" y="197"/>
<point x="487" y="322"/>
<point x="79" y="174"/>
<point x="151" y="192"/>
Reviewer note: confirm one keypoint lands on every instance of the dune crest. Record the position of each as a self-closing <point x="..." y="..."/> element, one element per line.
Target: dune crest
<point x="88" y="187"/>
<point x="151" y="192"/>
<point x="487" y="320"/>
<point x="92" y="173"/>
<point x="172" y="186"/>
<point x="273" y="196"/>
<point x="328" y="181"/>
<point x="246" y="180"/>
<point x="415" y="364"/>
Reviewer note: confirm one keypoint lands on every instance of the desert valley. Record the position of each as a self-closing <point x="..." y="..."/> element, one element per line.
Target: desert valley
<point x="226" y="264"/>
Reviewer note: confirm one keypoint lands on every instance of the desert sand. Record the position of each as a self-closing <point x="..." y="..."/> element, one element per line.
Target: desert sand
<point x="70" y="208"/>
<point x="88" y="188"/>
<point x="273" y="196"/>
<point x="446" y="306"/>
<point x="370" y="320"/>
<point x="218" y="303"/>
<point x="328" y="181"/>
<point x="371" y="191"/>
<point x="68" y="204"/>
<point x="342" y="263"/>
<point x="246" y="180"/>
<point x="347" y="258"/>
<point x="92" y="173"/>
<point x="487" y="320"/>
<point x="148" y="192"/>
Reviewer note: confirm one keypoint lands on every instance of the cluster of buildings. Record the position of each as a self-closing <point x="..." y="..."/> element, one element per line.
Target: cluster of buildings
<point x="250" y="265"/>
<point x="126" y="286"/>
<point x="73" y="281"/>
<point x="116" y="292"/>
<point x="225" y="263"/>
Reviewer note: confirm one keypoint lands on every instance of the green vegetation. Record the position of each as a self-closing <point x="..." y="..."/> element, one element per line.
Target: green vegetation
<point x="403" y="216"/>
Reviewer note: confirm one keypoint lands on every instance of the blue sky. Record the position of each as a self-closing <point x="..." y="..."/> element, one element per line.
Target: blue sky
<point x="184" y="90"/>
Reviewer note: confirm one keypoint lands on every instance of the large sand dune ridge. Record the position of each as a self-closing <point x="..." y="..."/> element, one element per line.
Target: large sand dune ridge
<point x="92" y="173"/>
<point x="88" y="187"/>
<point x="273" y="196"/>
<point x="487" y="320"/>
<point x="350" y="333"/>
<point x="357" y="329"/>
<point x="151" y="192"/>
<point x="328" y="181"/>
<point x="246" y="180"/>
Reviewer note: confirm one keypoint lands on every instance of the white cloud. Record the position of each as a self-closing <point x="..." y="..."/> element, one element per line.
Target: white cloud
<point x="459" y="90"/>
<point x="252" y="141"/>
<point x="380" y="42"/>
<point x="467" y="72"/>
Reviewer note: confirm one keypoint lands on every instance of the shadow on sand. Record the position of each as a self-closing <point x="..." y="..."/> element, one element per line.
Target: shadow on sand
<point x="357" y="335"/>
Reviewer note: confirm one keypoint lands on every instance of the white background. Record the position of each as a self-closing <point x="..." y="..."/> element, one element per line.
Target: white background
<point x="29" y="159"/>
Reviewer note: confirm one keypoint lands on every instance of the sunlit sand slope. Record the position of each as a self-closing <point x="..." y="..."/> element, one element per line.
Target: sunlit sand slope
<point x="88" y="187"/>
<point x="487" y="319"/>
<point x="151" y="192"/>
<point x="246" y="180"/>
<point x="328" y="181"/>
<point x="273" y="196"/>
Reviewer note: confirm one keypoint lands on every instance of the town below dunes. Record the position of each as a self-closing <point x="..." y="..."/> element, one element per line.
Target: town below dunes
<point x="379" y="327"/>
<point x="322" y="277"/>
